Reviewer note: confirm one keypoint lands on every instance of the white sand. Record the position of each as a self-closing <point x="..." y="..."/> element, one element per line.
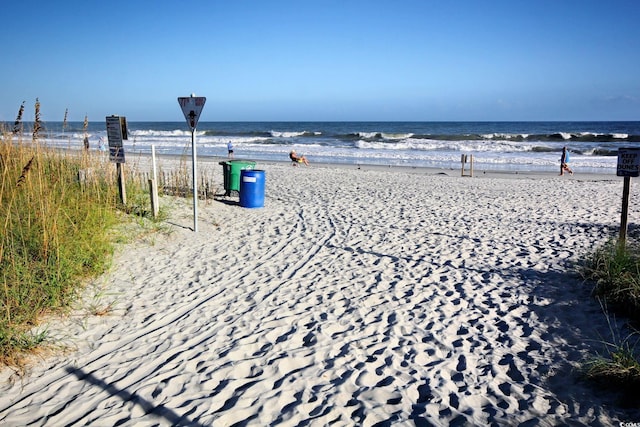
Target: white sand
<point x="354" y="297"/>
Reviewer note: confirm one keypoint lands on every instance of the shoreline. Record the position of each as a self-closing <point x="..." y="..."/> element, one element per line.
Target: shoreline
<point x="144" y="158"/>
<point x="452" y="172"/>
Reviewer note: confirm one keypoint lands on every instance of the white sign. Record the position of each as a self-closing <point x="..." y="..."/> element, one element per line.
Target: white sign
<point x="191" y="108"/>
<point x="628" y="162"/>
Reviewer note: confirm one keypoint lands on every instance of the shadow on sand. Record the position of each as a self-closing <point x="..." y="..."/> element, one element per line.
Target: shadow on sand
<point x="159" y="410"/>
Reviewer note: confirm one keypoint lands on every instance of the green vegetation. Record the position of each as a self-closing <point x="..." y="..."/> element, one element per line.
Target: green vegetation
<point x="618" y="367"/>
<point x="56" y="231"/>
<point x="615" y="270"/>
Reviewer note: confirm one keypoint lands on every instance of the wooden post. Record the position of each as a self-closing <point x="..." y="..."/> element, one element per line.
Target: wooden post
<point x="82" y="178"/>
<point x="121" y="184"/>
<point x="464" y="160"/>
<point x="153" y="191"/>
<point x="153" y="163"/>
<point x="625" y="212"/>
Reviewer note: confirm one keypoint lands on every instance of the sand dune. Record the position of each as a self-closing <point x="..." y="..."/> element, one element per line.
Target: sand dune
<point x="354" y="297"/>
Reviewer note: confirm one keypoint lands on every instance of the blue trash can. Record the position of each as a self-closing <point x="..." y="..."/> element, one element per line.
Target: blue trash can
<point x="252" y="188"/>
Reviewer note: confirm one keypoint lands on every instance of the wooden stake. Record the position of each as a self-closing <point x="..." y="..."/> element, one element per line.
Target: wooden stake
<point x="121" y="184"/>
<point x="153" y="191"/>
<point x="464" y="160"/>
<point x="624" y="216"/>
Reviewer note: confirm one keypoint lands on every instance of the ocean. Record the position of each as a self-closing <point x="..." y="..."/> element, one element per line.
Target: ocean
<point x="496" y="146"/>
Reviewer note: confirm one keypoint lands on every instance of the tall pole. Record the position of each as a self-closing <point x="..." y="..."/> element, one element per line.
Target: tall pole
<point x="192" y="107"/>
<point x="153" y="163"/>
<point x="195" y="181"/>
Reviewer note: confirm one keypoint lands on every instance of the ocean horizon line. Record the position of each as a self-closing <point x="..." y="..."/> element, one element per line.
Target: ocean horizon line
<point x="177" y="120"/>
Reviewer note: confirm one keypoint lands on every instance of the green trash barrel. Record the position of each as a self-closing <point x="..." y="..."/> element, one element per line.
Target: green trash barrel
<point x="231" y="170"/>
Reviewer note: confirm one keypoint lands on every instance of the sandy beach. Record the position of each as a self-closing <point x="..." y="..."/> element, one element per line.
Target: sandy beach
<point x="355" y="296"/>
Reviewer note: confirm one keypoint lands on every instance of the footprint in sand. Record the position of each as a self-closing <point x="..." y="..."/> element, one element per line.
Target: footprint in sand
<point x="513" y="372"/>
<point x="424" y="393"/>
<point x="462" y="363"/>
<point x="367" y="379"/>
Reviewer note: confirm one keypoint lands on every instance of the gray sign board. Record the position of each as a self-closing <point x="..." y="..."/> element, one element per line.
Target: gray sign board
<point x="628" y="162"/>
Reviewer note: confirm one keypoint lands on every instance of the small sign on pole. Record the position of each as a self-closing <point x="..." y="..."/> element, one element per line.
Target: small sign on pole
<point x="191" y="108"/>
<point x="628" y="166"/>
<point x="116" y="132"/>
<point x="628" y="162"/>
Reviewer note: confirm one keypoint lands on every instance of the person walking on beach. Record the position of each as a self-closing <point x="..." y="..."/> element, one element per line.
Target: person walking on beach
<point x="298" y="159"/>
<point x="230" y="149"/>
<point x="564" y="160"/>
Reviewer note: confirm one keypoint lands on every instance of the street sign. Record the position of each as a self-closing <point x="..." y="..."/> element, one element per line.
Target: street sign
<point x="628" y="162"/>
<point x="191" y="108"/>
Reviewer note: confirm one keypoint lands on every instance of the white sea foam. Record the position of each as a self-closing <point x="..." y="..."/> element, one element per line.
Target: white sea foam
<point x="504" y="135"/>
<point x="376" y="147"/>
<point x="396" y="135"/>
<point x="286" y="134"/>
<point x="163" y="133"/>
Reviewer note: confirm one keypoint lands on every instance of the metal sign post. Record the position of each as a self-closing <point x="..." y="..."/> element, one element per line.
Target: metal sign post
<point x="628" y="166"/>
<point x="191" y="108"/>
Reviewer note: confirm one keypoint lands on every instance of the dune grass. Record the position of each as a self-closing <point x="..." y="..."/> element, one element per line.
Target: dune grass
<point x="615" y="271"/>
<point x="617" y="367"/>
<point x="54" y="234"/>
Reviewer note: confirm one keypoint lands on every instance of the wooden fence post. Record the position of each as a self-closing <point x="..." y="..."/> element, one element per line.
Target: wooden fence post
<point x="121" y="184"/>
<point x="624" y="215"/>
<point x="153" y="191"/>
<point x="464" y="160"/>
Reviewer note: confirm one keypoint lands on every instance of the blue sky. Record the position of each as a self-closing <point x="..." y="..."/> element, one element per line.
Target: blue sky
<point x="343" y="60"/>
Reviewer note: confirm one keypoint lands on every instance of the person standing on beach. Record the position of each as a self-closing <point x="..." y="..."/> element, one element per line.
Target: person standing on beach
<point x="230" y="149"/>
<point x="564" y="160"/>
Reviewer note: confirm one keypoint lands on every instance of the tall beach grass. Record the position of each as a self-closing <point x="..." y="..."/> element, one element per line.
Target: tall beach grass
<point x="614" y="270"/>
<point x="54" y="233"/>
